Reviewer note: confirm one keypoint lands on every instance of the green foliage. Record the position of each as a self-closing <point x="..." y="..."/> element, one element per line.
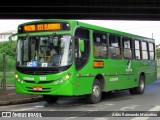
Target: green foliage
<point x="158" y="52"/>
<point x="10" y="63"/>
<point x="9" y="48"/>
<point x="9" y="78"/>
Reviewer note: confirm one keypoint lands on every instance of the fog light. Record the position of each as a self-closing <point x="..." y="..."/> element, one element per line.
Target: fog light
<point x="61" y="81"/>
<point x="55" y="82"/>
<point x="21" y="82"/>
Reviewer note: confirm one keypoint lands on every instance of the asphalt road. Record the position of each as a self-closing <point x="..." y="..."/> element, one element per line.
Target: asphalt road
<point x="113" y="106"/>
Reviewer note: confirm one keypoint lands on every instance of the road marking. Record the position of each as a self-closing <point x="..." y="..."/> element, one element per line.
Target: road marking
<point x="39" y="106"/>
<point x="131" y="107"/>
<point x="77" y="115"/>
<point x="11" y="106"/>
<point x="109" y="104"/>
<point x="101" y="118"/>
<point x="51" y="110"/>
<point x="24" y="109"/>
<point x="92" y="110"/>
<point x="156" y="108"/>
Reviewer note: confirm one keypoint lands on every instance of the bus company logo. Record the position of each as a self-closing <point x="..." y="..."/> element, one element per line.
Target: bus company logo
<point x="129" y="69"/>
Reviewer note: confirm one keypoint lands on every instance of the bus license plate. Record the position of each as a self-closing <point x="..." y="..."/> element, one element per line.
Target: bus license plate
<point x="37" y="88"/>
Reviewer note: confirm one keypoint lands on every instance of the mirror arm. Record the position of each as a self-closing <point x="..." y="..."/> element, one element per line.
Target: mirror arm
<point x="12" y="36"/>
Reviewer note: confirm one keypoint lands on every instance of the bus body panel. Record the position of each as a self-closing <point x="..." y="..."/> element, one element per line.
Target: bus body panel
<point x="54" y="84"/>
<point x="117" y="74"/>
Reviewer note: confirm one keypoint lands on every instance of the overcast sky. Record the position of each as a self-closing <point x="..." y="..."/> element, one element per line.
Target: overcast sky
<point x="143" y="28"/>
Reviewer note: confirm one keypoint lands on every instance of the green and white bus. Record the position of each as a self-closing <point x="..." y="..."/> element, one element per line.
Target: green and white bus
<point x="70" y="58"/>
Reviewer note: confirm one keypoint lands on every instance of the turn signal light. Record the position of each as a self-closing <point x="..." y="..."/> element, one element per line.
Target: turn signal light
<point x="98" y="64"/>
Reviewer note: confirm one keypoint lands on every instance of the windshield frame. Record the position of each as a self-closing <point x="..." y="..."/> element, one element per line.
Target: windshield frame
<point x="48" y="68"/>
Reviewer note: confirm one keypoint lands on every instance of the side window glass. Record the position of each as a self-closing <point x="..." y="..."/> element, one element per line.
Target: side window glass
<point x="151" y="51"/>
<point x="144" y="50"/>
<point x="137" y="49"/>
<point x="114" y="47"/>
<point x="127" y="51"/>
<point x="99" y="45"/>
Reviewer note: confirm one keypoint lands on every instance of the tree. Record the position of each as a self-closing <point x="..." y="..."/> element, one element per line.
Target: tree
<point x="10" y="50"/>
<point x="158" y="52"/>
<point x="8" y="47"/>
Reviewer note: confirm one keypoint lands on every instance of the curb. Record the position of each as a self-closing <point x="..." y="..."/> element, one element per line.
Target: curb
<point x="20" y="101"/>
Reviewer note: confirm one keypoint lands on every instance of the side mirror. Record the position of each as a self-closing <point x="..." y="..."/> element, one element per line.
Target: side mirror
<point x="81" y="45"/>
<point x="10" y="37"/>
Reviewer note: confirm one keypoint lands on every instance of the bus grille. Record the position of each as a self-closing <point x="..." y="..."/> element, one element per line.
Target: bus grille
<point x="40" y="82"/>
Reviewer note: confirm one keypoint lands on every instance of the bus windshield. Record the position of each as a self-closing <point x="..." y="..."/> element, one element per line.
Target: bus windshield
<point x="44" y="51"/>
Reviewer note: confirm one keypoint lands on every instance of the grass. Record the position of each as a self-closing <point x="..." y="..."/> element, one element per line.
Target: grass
<point x="9" y="78"/>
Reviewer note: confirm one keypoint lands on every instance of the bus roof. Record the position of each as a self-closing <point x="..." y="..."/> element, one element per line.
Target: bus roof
<point x="116" y="32"/>
<point x="95" y="27"/>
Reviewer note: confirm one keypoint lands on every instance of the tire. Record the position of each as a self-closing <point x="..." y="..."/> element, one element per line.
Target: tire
<point x="50" y="98"/>
<point x="96" y="94"/>
<point x="140" y="88"/>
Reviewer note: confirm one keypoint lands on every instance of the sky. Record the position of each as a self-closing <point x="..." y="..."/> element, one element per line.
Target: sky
<point x="143" y="28"/>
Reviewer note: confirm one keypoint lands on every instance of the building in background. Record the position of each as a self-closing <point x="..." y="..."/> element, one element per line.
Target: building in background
<point x="4" y="36"/>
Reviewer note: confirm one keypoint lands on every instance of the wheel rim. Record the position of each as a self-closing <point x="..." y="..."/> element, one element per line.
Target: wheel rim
<point x="142" y="85"/>
<point x="96" y="91"/>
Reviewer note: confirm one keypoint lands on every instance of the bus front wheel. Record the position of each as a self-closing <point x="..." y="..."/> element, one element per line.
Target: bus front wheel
<point x="50" y="98"/>
<point x="140" y="88"/>
<point x="96" y="94"/>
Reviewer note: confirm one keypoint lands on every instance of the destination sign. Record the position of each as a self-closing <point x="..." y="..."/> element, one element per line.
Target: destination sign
<point x="37" y="27"/>
<point x="42" y="27"/>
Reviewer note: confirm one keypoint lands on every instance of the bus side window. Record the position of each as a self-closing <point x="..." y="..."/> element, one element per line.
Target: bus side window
<point x="99" y="45"/>
<point x="144" y="50"/>
<point x="114" y="47"/>
<point x="151" y="51"/>
<point x="137" y="49"/>
<point x="127" y="51"/>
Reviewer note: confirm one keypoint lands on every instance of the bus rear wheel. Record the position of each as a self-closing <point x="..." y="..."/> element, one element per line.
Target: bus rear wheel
<point x="140" y="88"/>
<point x="50" y="98"/>
<point x="96" y="94"/>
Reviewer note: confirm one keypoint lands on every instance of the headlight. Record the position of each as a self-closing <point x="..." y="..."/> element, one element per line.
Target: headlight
<point x="66" y="77"/>
<point x="16" y="76"/>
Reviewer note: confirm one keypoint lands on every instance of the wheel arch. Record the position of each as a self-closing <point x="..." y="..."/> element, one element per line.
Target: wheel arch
<point x="143" y="74"/>
<point x="139" y="89"/>
<point x="101" y="80"/>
